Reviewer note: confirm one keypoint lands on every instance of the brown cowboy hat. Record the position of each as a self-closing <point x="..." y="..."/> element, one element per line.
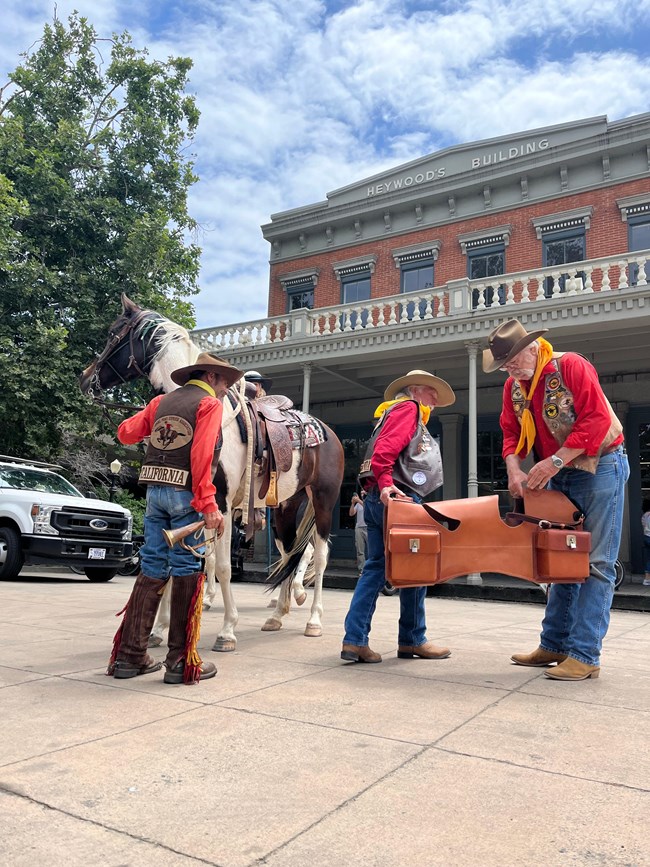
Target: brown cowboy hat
<point x="207" y="362"/>
<point x="445" y="392"/>
<point x="505" y="341"/>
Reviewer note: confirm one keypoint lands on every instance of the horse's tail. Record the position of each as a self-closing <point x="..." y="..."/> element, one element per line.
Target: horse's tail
<point x="284" y="570"/>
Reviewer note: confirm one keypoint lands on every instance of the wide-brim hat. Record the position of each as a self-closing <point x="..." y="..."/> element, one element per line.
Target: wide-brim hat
<point x="506" y="341"/>
<point x="207" y="362"/>
<point x="256" y="376"/>
<point x="445" y="392"/>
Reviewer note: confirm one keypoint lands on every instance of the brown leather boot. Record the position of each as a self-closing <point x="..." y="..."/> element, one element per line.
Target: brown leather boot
<point x="183" y="664"/>
<point x="424" y="651"/>
<point x="356" y="653"/>
<point x="538" y="658"/>
<point x="573" y="669"/>
<point x="130" y="657"/>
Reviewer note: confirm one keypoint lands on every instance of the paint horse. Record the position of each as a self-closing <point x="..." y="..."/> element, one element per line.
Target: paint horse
<point x="145" y="343"/>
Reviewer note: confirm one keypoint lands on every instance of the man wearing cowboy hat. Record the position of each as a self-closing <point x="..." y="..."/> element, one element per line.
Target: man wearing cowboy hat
<point x="554" y="406"/>
<point x="402" y="461"/>
<point x="183" y="429"/>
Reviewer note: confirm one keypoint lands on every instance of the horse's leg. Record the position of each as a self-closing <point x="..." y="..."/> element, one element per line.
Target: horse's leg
<point x="314" y="627"/>
<point x="226" y="641"/>
<point x="299" y="593"/>
<point x="161" y="623"/>
<point x="210" y="571"/>
<point x="280" y="605"/>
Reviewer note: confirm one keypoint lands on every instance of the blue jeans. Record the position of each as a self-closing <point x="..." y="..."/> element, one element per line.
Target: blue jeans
<point x="412" y="620"/>
<point x="577" y="615"/>
<point x="168" y="508"/>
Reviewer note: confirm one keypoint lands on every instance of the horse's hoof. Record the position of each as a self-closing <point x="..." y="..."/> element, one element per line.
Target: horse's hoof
<point x="154" y="641"/>
<point x="300" y="600"/>
<point x="225" y="645"/>
<point x="206" y="606"/>
<point x="272" y="625"/>
<point x="313" y="631"/>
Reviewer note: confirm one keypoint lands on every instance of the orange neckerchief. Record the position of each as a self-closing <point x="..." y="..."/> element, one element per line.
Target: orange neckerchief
<point x="425" y="411"/>
<point x="527" y="435"/>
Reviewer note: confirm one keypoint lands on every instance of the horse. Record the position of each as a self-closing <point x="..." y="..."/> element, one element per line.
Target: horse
<point x="145" y="343"/>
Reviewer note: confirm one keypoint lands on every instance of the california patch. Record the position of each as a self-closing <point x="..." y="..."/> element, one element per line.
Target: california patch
<point x="171" y="432"/>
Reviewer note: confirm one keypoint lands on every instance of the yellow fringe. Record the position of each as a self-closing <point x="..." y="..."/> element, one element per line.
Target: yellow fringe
<point x="192" y="669"/>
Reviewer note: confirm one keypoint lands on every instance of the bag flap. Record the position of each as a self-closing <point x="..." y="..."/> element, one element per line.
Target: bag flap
<point x="413" y="540"/>
<point x="551" y="506"/>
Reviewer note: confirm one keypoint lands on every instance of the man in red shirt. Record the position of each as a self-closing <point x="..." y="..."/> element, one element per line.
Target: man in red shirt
<point x="402" y="461"/>
<point x="182" y="429"/>
<point x="554" y="406"/>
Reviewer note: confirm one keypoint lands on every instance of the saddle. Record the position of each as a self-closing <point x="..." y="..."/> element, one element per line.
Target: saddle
<point x="431" y="543"/>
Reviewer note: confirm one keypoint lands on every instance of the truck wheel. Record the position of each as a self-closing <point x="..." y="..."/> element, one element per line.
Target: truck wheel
<point x="11" y="554"/>
<point x="98" y="574"/>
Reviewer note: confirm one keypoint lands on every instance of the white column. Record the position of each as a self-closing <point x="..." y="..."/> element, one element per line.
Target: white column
<point x="472" y="435"/>
<point x="306" y="383"/>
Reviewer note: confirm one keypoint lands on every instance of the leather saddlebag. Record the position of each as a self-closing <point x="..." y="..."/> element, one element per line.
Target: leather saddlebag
<point x="562" y="556"/>
<point x="414" y="556"/>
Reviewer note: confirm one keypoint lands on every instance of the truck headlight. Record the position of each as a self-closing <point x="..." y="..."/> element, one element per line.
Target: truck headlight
<point x="42" y="517"/>
<point x="126" y="534"/>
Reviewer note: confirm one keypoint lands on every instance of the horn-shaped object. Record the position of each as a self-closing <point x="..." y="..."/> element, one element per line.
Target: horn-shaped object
<point x="178" y="537"/>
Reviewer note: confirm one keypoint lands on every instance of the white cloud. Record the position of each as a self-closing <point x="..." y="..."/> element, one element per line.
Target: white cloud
<point x="301" y="98"/>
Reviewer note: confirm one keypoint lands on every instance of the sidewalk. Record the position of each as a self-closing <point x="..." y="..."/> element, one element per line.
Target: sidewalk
<point x="290" y="758"/>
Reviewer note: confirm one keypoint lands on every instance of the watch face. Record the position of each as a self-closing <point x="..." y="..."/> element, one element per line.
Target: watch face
<point x="557" y="462"/>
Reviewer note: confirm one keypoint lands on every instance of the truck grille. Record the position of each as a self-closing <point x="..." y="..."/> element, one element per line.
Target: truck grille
<point x="76" y="522"/>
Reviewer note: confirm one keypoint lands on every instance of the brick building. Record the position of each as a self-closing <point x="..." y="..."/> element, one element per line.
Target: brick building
<point x="414" y="267"/>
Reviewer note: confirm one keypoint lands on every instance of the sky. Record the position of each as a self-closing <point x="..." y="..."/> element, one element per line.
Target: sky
<point x="301" y="97"/>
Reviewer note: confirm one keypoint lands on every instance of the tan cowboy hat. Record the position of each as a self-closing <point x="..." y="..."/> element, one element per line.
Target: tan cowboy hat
<point x="505" y="341"/>
<point x="445" y="392"/>
<point x="207" y="362"/>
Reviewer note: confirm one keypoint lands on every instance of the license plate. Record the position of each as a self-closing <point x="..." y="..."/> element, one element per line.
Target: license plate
<point x="97" y="553"/>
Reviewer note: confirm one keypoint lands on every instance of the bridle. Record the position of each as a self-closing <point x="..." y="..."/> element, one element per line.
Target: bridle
<point x="141" y="327"/>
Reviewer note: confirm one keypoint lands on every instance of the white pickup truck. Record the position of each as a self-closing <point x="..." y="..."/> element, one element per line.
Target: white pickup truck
<point x="45" y="520"/>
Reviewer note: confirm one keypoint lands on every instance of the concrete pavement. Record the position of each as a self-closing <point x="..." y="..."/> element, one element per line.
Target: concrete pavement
<point x="290" y="758"/>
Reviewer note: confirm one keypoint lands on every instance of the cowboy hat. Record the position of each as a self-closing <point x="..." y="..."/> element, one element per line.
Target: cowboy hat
<point x="256" y="376"/>
<point x="505" y="341"/>
<point x="445" y="392"/>
<point x="207" y="363"/>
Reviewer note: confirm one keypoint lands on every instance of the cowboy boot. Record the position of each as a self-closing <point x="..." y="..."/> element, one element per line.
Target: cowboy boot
<point x="130" y="657"/>
<point x="183" y="663"/>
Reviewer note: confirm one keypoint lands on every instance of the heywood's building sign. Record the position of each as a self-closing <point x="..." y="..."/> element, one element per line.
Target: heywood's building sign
<point x="488" y="158"/>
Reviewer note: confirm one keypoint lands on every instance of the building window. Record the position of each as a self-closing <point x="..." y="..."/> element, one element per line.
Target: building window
<point x="416" y="274"/>
<point x="485" y="263"/>
<point x="563" y="238"/>
<point x="355" y="287"/>
<point x="638" y="238"/>
<point x="299" y="286"/>
<point x="300" y="295"/>
<point x="491" y="468"/>
<point x="486" y="259"/>
<point x="561" y="248"/>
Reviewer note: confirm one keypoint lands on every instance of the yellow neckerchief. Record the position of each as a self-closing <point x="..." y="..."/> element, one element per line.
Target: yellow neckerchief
<point x="528" y="432"/>
<point x="425" y="411"/>
<point x="202" y="384"/>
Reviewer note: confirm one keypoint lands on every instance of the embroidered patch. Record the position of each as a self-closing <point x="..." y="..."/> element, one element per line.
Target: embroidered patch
<point x="171" y="432"/>
<point x="553" y="383"/>
<point x="550" y="410"/>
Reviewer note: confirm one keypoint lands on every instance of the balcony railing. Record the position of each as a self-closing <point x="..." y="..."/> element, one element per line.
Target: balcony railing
<point x="455" y="298"/>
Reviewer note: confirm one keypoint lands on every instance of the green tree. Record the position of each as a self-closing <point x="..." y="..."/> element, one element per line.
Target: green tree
<point x="94" y="174"/>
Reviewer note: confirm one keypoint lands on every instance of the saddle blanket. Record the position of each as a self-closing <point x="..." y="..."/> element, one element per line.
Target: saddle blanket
<point x="306" y="431"/>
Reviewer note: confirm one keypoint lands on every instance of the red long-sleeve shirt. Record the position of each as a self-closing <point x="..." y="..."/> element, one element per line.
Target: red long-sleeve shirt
<point x="396" y="433"/>
<point x="206" y="433"/>
<point x="590" y="407"/>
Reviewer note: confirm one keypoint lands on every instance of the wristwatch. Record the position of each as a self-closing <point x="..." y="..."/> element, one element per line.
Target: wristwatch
<point x="558" y="463"/>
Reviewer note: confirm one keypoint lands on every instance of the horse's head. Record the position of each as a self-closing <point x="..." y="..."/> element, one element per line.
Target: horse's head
<point x="137" y="342"/>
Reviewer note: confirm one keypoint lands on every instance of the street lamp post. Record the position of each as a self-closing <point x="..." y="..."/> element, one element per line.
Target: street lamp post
<point x="116" y="466"/>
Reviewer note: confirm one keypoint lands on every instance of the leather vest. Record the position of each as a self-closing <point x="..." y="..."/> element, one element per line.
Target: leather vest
<point x="168" y="457"/>
<point x="559" y="414"/>
<point x="418" y="469"/>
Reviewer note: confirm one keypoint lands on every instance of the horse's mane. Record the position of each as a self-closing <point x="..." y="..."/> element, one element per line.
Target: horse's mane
<point x="176" y="349"/>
